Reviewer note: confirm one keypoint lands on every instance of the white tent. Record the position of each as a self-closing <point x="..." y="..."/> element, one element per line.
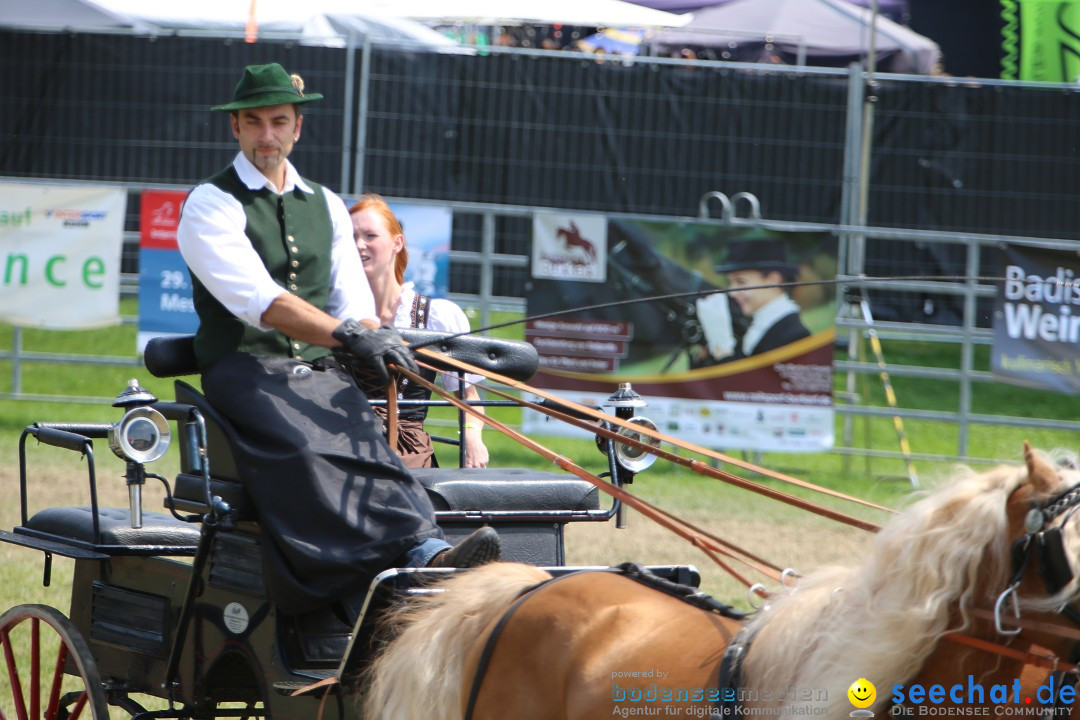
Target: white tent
<point x="808" y="28"/>
<point x="593" y="13"/>
<point x="294" y="15"/>
<point x="60" y="15"/>
<point x="324" y="22"/>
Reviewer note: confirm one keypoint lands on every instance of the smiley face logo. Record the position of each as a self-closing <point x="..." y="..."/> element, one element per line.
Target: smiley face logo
<point x="862" y="693"/>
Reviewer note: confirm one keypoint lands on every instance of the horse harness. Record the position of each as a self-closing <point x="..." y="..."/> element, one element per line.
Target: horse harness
<point x="1045" y="546"/>
<point x="633" y="571"/>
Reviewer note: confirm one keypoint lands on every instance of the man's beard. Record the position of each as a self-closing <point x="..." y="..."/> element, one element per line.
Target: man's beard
<point x="267" y="162"/>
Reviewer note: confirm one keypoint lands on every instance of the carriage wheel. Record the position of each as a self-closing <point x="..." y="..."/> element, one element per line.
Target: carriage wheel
<point x="48" y="672"/>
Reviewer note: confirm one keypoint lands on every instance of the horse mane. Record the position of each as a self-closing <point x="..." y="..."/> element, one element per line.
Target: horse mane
<point x="920" y="575"/>
<point x="419" y="674"/>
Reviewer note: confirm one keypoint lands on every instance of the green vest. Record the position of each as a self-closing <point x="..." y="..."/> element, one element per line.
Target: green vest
<point x="292" y="233"/>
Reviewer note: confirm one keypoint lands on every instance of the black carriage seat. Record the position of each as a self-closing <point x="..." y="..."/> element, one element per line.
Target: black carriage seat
<point x="160" y="534"/>
<point x="453" y="491"/>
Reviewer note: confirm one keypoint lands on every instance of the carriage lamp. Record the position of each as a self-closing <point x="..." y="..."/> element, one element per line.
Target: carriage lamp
<point x="625" y="402"/>
<point x="636" y="459"/>
<point x="141" y="436"/>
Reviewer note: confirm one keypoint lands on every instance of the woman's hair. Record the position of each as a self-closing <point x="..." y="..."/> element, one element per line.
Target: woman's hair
<point x="375" y="201"/>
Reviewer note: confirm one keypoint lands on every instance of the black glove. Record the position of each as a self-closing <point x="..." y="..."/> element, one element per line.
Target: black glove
<point x="375" y="349"/>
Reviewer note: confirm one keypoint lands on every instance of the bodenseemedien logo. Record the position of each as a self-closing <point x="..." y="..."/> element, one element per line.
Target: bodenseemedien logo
<point x="862" y="694"/>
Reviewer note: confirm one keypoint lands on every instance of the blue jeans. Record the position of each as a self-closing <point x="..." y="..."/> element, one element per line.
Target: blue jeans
<point x="422" y="554"/>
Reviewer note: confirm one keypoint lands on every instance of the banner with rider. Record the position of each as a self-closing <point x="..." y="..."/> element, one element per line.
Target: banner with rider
<point x="721" y="329"/>
<point x="60" y="255"/>
<point x="1037" y="319"/>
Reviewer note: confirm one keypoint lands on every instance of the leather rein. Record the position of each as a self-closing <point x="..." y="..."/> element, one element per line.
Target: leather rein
<point x="1041" y="543"/>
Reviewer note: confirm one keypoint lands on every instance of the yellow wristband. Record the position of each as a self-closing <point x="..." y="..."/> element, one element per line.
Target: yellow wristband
<point x="474" y="426"/>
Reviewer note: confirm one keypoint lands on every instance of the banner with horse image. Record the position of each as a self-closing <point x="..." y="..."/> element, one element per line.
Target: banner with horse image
<point x="60" y="255"/>
<point x="747" y="369"/>
<point x="569" y="247"/>
<point x="1037" y="319"/>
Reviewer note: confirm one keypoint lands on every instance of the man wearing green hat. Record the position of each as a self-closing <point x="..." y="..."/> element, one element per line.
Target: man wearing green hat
<point x="277" y="284"/>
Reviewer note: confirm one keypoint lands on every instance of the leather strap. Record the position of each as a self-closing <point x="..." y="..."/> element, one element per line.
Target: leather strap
<point x="1047" y="662"/>
<point x="493" y="637"/>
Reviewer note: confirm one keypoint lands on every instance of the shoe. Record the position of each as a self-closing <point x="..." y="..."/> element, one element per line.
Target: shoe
<point x="479" y="548"/>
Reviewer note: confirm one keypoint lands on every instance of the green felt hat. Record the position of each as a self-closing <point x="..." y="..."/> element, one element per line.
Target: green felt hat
<point x="265" y="86"/>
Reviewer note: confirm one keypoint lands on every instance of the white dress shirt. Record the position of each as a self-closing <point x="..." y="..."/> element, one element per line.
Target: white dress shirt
<point x="212" y="240"/>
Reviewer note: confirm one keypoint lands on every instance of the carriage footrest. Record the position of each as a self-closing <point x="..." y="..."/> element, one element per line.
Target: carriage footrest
<point x="159" y="535"/>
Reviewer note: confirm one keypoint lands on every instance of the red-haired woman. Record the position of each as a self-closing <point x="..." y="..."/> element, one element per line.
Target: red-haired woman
<point x="381" y="244"/>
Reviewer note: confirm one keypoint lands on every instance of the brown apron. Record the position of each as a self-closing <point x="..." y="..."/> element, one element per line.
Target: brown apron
<point x="413" y="442"/>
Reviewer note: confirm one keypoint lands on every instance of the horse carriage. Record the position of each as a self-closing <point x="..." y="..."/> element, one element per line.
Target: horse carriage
<point x="172" y="605"/>
<point x="964" y="600"/>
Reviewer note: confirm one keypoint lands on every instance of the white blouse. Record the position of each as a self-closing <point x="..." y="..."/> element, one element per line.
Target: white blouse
<point x="443" y="316"/>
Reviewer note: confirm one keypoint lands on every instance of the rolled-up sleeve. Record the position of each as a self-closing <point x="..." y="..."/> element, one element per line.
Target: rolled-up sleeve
<point x="212" y="240"/>
<point x="350" y="295"/>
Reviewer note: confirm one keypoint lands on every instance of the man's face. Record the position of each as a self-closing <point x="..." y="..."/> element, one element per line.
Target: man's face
<point x="266" y="136"/>
<point x="750" y="301"/>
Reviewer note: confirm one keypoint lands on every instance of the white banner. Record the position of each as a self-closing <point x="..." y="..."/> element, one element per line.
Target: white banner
<point x="714" y="423"/>
<point x="60" y="255"/>
<point x="569" y="247"/>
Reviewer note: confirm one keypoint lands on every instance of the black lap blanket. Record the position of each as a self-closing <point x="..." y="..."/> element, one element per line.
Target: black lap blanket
<point x="336" y="505"/>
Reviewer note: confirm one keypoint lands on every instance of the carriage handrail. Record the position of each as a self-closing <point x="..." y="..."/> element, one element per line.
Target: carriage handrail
<point x="52" y="435"/>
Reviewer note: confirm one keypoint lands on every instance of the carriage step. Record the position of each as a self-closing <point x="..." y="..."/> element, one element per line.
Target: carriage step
<point x="317" y="682"/>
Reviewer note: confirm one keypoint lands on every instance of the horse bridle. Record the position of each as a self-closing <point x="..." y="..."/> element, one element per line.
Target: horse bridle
<point x="1044" y="543"/>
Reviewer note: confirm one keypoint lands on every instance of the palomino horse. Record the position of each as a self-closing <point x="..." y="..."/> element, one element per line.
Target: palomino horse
<point x="597" y="644"/>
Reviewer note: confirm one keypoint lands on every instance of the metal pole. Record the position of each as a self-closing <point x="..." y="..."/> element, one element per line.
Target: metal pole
<point x="869" y="99"/>
<point x="967" y="350"/>
<point x="16" y="362"/>
<point x="849" y="199"/>
<point x="487" y="274"/>
<point x="361" y="116"/>
<point x="347" y="116"/>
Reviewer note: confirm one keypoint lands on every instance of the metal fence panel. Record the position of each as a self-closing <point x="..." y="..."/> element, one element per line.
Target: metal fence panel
<point x="558" y="130"/>
<point x="136" y="109"/>
<point x="957" y="167"/>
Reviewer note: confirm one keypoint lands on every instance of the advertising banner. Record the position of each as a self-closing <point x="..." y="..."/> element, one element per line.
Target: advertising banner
<point x="746" y="369"/>
<point x="60" y="255"/>
<point x="427" y="232"/>
<point x="1041" y="40"/>
<point x="165" y="305"/>
<point x="1037" y="319"/>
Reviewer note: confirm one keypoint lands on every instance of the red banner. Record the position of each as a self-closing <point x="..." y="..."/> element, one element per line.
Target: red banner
<point x="159" y="215"/>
